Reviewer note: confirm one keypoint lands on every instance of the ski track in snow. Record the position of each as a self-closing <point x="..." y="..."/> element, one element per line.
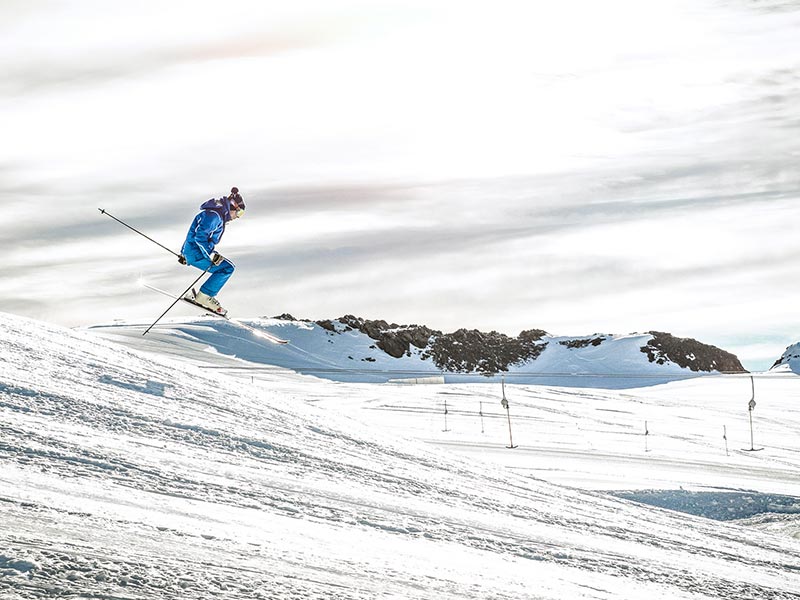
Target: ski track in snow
<point x="124" y="475"/>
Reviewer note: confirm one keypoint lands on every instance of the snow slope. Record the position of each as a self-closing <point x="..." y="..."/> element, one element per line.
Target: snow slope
<point x="352" y="356"/>
<point x="789" y="360"/>
<point x="125" y="474"/>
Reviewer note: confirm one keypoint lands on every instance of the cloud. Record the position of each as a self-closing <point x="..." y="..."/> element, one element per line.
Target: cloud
<point x="771" y="6"/>
<point x="560" y="250"/>
<point x="46" y="75"/>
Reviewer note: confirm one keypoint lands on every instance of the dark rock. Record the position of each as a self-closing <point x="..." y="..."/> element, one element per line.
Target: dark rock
<point x="532" y="335"/>
<point x="327" y="324"/>
<point x="690" y="354"/>
<point x="582" y="342"/>
<point x="472" y="351"/>
<point x="789" y="356"/>
<point x="398" y="342"/>
<point x="393" y="345"/>
<point x="395" y="340"/>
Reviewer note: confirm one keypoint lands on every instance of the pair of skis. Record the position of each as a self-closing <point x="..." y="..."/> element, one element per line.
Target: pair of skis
<point x="259" y="332"/>
<point x="266" y="335"/>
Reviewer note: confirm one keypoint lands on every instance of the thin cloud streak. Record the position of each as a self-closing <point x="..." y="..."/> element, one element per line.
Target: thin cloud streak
<point x="42" y="77"/>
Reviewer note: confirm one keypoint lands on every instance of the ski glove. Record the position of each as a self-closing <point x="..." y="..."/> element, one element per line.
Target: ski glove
<point x="216" y="258"/>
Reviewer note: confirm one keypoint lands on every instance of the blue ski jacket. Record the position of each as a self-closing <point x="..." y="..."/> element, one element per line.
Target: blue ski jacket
<point x="206" y="229"/>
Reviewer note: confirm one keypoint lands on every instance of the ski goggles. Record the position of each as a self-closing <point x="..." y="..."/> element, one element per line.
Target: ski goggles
<point x="237" y="205"/>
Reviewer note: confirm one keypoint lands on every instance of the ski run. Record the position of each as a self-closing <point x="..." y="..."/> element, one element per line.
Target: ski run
<point x="155" y="470"/>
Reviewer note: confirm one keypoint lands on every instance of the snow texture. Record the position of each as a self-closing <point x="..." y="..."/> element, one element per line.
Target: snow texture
<point x="146" y="473"/>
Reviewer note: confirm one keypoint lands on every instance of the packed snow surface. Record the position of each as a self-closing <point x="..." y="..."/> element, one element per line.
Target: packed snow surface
<point x="158" y="470"/>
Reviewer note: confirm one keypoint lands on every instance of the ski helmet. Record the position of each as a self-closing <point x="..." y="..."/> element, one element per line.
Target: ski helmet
<point x="236" y="202"/>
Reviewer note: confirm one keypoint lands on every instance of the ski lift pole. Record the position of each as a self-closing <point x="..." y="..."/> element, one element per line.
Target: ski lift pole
<point x="105" y="212"/>
<point x="504" y="403"/>
<point x="750" y="406"/>
<point x="178" y="299"/>
<point x="725" y="437"/>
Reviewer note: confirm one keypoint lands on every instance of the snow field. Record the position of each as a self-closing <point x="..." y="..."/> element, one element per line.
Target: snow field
<point x="130" y="475"/>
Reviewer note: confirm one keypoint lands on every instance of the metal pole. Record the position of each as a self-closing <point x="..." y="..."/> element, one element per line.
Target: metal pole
<point x="750" y="408"/>
<point x="104" y="212"/>
<point x="178" y="299"/>
<point x="725" y="437"/>
<point x="508" y="415"/>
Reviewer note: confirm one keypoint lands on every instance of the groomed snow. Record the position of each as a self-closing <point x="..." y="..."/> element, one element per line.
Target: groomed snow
<point x="144" y="473"/>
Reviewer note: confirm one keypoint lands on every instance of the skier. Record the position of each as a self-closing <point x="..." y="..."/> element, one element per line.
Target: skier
<point x="198" y="251"/>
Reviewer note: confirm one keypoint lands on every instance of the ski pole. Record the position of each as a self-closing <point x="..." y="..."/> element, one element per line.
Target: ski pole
<point x="178" y="299"/>
<point x="104" y="212"/>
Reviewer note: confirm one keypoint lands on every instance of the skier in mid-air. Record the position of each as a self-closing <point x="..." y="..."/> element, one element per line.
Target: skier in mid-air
<point x="198" y="251"/>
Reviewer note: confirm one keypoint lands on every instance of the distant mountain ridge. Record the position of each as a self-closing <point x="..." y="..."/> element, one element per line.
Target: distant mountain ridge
<point x="789" y="360"/>
<point x="355" y="349"/>
<point x="473" y="351"/>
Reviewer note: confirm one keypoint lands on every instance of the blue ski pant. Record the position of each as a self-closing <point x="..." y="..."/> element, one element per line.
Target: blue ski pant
<point x="219" y="273"/>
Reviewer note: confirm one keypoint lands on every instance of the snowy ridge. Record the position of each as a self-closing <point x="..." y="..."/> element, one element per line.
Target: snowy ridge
<point x="129" y="475"/>
<point x="342" y="353"/>
<point x="789" y="360"/>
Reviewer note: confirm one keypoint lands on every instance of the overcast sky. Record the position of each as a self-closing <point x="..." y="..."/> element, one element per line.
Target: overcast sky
<point x="574" y="166"/>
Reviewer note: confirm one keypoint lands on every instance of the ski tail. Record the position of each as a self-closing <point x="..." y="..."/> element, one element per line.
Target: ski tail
<point x="254" y="330"/>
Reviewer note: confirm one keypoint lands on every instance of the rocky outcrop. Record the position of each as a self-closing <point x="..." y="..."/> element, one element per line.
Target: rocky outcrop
<point x="472" y="351"/>
<point x="283" y="317"/>
<point x="327" y="324"/>
<point x="583" y="342"/>
<point x="464" y="351"/>
<point x="790" y="358"/>
<point x="690" y="354"/>
<point x="395" y="340"/>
